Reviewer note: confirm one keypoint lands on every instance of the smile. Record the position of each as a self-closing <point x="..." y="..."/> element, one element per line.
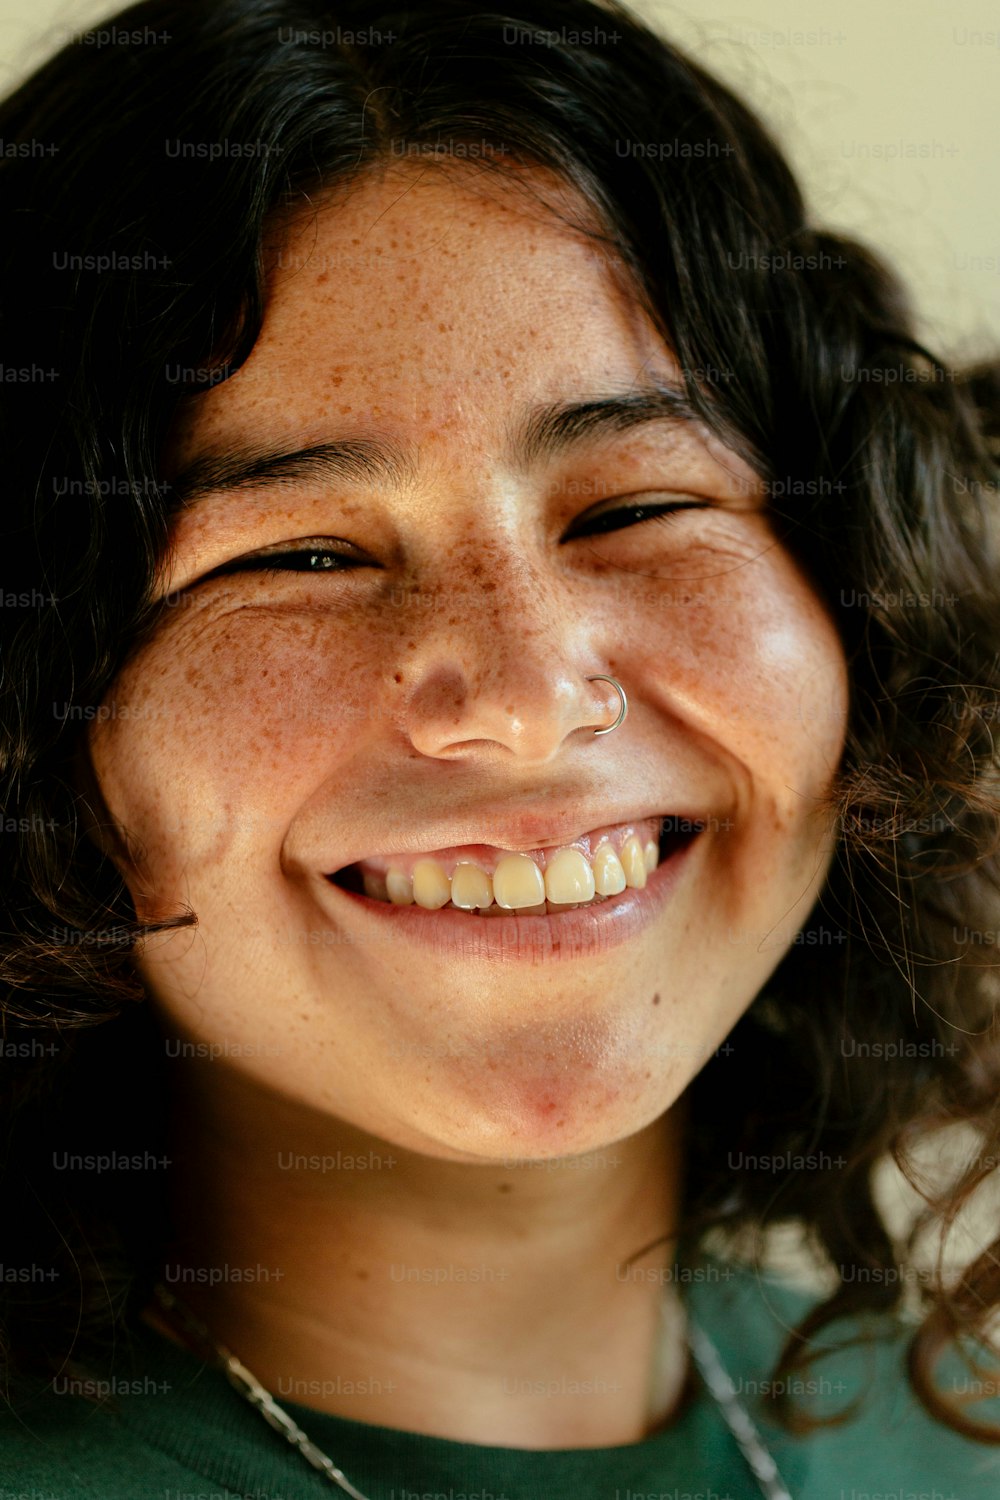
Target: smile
<point x="484" y="881"/>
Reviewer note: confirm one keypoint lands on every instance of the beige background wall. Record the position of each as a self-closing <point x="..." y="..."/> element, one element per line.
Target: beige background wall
<point x="890" y="109"/>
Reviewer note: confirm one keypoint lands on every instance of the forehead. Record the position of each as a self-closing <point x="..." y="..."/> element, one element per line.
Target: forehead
<point x="457" y="332"/>
<point x="423" y="299"/>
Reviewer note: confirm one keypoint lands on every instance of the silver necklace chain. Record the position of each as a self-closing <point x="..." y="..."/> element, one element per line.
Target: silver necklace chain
<point x="703" y="1351"/>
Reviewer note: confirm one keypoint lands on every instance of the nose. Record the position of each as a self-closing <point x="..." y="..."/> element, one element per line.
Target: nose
<point x="505" y="670"/>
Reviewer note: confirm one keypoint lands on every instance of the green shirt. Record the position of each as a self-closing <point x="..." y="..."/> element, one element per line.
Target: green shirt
<point x="181" y="1432"/>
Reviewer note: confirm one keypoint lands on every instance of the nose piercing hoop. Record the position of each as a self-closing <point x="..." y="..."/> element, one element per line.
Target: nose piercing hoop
<point x="621" y="693"/>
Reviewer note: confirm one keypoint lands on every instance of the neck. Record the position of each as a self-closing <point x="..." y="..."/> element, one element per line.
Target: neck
<point x="486" y="1303"/>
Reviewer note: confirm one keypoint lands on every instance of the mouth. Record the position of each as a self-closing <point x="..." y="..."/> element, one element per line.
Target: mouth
<point x="492" y="883"/>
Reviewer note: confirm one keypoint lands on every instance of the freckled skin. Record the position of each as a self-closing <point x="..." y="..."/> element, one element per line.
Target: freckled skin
<point x="276" y="722"/>
<point x="281" y="724"/>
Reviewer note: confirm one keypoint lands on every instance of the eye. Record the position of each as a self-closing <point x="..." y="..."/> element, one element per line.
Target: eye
<point x="664" y="511"/>
<point x="310" y="556"/>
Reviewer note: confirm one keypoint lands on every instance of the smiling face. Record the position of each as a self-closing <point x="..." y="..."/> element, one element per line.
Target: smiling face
<point x="413" y="678"/>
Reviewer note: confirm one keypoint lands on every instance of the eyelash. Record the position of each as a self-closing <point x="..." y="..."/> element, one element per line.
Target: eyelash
<point x="268" y="562"/>
<point x="283" y="562"/>
<point x="666" y="512"/>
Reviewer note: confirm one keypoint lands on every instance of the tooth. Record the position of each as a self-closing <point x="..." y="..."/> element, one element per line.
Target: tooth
<point x="431" y="886"/>
<point x="471" y="887"/>
<point x="517" y="882"/>
<point x="374" y="885"/>
<point x="609" y="877"/>
<point x="633" y="863"/>
<point x="651" y="855"/>
<point x="399" y="886"/>
<point x="568" y="877"/>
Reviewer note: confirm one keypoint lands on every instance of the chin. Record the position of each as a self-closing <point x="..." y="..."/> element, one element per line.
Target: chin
<point x="517" y="1116"/>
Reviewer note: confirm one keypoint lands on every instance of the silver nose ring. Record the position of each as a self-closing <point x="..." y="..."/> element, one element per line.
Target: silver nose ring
<point x="621" y="693"/>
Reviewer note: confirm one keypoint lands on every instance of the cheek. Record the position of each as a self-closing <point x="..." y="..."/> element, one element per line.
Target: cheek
<point x="744" y="651"/>
<point x="214" y="734"/>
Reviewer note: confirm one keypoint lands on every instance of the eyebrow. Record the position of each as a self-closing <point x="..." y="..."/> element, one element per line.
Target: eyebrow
<point x="545" y="432"/>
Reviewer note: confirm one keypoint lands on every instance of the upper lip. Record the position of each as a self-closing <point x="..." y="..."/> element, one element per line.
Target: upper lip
<point x="519" y="832"/>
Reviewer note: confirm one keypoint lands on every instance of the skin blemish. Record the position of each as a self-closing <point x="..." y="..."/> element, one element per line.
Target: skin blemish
<point x="656" y="998"/>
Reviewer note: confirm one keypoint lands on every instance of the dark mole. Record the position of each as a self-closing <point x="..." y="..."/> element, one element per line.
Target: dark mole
<point x="398" y="677"/>
<point x="656" y="998"/>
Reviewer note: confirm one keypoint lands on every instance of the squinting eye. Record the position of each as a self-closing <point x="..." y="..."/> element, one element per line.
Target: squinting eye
<point x="291" y="560"/>
<point x="628" y="515"/>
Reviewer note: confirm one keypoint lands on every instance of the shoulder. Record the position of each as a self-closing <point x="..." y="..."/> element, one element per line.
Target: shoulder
<point x="884" y="1442"/>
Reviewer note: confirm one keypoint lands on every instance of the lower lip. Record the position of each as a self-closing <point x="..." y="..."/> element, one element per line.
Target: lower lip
<point x="586" y="932"/>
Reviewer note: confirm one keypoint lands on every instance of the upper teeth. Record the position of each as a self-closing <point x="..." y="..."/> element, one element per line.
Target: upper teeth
<point x="513" y="881"/>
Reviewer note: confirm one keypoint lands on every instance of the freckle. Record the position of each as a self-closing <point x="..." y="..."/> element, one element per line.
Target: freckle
<point x="503" y="1187"/>
<point x="324" y="276"/>
<point x="656" y="998"/>
<point x="362" y="1275"/>
<point x="411" y="645"/>
<point x="397" y="677"/>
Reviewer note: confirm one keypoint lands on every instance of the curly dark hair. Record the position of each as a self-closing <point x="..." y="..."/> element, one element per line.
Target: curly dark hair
<point x="134" y="278"/>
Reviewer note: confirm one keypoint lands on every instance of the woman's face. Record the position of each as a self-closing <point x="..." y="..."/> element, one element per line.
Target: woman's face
<point x="421" y="685"/>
